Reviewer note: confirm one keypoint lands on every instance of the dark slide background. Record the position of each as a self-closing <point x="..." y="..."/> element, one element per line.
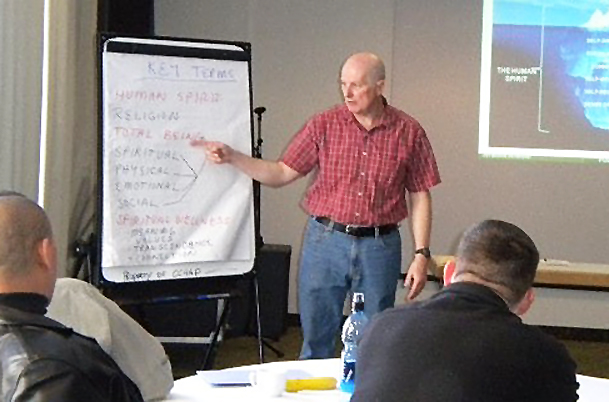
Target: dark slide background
<point x="514" y="106"/>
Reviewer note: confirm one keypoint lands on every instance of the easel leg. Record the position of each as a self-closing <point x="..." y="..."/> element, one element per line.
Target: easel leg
<point x="214" y="340"/>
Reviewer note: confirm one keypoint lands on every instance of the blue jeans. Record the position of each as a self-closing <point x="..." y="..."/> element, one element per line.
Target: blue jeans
<point x="333" y="263"/>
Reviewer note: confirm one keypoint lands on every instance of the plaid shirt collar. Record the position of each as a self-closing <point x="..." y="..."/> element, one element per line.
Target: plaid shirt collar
<point x="387" y="119"/>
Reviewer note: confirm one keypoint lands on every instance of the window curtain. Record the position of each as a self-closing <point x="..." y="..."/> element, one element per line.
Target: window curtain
<point x="69" y="120"/>
<point x="48" y="110"/>
<point x="21" y="46"/>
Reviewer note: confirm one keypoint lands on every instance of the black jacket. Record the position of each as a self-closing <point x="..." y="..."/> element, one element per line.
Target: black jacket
<point x="462" y="345"/>
<point x="44" y="361"/>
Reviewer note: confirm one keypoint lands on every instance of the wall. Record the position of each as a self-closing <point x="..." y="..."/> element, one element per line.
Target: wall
<point x="432" y="52"/>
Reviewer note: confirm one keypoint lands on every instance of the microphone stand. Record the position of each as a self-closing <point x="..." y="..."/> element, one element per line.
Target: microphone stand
<point x="259" y="240"/>
<point x="258" y="147"/>
<point x="258" y="154"/>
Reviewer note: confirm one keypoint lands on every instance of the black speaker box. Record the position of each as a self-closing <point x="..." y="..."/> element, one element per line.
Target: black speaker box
<point x="273" y="273"/>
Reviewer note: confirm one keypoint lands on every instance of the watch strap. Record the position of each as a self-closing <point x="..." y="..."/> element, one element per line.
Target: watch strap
<point x="424" y="251"/>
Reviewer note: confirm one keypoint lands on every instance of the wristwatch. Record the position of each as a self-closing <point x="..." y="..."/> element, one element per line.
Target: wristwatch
<point x="424" y="251"/>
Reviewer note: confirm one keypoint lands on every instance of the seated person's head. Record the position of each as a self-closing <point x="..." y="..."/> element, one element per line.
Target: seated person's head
<point x="501" y="256"/>
<point x="28" y="258"/>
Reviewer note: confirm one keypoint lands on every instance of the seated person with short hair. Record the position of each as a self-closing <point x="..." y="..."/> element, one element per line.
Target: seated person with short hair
<point x="41" y="359"/>
<point x="467" y="343"/>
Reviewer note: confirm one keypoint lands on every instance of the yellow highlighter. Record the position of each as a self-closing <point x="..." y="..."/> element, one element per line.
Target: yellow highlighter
<point x="313" y="383"/>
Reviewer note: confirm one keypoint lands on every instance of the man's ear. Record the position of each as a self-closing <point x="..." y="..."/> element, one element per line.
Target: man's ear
<point x="47" y="254"/>
<point x="380" y="87"/>
<point x="526" y="302"/>
<point x="46" y="266"/>
<point x="449" y="272"/>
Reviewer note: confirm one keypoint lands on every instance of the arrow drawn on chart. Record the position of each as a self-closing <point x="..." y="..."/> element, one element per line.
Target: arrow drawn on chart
<point x="194" y="175"/>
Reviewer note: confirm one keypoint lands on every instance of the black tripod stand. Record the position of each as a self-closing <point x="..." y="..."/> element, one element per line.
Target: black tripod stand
<point x="82" y="251"/>
<point x="259" y="241"/>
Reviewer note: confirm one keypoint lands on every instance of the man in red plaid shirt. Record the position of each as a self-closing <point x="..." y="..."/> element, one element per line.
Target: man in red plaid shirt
<point x="369" y="158"/>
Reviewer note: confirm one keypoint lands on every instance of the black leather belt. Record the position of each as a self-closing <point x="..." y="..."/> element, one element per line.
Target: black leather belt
<point x="357" y="231"/>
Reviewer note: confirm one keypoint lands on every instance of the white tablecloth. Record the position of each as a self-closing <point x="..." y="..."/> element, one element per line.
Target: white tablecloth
<point x="593" y="389"/>
<point x="195" y="388"/>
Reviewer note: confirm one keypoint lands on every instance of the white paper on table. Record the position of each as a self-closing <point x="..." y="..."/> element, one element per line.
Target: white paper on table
<point x="241" y="377"/>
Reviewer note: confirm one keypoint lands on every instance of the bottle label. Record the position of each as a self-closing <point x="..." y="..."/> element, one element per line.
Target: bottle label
<point x="348" y="371"/>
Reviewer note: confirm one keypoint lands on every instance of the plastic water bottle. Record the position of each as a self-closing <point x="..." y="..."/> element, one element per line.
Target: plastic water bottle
<point x="352" y="332"/>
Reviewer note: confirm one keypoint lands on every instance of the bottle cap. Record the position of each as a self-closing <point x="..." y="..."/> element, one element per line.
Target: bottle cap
<point x="358" y="302"/>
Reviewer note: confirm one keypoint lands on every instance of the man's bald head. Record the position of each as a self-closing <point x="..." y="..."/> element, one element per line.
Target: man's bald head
<point x="23" y="225"/>
<point x="368" y="62"/>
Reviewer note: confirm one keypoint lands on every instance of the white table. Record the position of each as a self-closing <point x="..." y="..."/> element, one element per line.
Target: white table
<point x="593" y="389"/>
<point x="195" y="389"/>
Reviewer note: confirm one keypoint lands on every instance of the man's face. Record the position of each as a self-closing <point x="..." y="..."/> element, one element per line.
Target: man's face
<point x="358" y="92"/>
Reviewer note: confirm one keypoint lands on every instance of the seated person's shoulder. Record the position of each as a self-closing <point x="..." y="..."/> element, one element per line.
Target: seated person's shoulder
<point x="81" y="306"/>
<point x="47" y="362"/>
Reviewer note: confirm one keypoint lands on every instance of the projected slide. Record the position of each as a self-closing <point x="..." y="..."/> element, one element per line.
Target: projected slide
<point x="544" y="89"/>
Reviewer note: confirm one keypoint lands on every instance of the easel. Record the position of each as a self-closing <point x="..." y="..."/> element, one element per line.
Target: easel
<point x="234" y="58"/>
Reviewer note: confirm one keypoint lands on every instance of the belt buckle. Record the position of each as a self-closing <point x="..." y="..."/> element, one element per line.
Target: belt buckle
<point x="348" y="229"/>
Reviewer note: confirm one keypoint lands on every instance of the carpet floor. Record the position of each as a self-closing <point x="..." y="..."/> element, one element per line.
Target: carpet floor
<point x="592" y="357"/>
